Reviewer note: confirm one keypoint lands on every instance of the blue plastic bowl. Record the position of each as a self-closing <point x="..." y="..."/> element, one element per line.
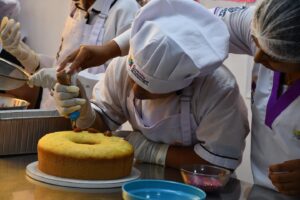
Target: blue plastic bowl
<point x="160" y="189"/>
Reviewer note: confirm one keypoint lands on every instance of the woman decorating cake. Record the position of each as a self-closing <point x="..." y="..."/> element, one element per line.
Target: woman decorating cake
<point x="180" y="111"/>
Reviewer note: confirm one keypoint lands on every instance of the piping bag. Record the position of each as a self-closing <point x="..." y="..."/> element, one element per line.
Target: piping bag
<point x="65" y="79"/>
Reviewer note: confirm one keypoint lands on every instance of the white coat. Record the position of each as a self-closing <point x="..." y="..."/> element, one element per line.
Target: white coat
<point x="214" y="102"/>
<point x="275" y="117"/>
<point x="9" y="8"/>
<point x="114" y="18"/>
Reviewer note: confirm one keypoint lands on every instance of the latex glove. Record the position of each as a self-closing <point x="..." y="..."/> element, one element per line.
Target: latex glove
<point x="45" y="78"/>
<point x="286" y="177"/>
<point x="10" y="36"/>
<point x="90" y="56"/>
<point x="67" y="102"/>
<point x="147" y="151"/>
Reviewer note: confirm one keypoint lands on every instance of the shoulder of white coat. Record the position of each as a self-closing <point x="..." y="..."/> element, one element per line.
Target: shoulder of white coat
<point x="213" y="92"/>
<point x="223" y="78"/>
<point x="116" y="72"/>
<point x="117" y="68"/>
<point x="221" y="81"/>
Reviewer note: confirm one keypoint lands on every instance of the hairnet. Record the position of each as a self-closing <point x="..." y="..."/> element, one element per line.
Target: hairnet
<point x="172" y="42"/>
<point x="276" y="25"/>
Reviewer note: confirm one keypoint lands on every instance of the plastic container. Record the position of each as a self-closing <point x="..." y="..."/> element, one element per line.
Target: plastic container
<point x="207" y="177"/>
<point x="160" y="190"/>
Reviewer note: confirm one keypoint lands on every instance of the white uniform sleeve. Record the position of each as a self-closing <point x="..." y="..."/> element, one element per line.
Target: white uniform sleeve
<point x="108" y="98"/>
<point x="238" y="21"/>
<point x="123" y="42"/>
<point x="222" y="117"/>
<point x="122" y="15"/>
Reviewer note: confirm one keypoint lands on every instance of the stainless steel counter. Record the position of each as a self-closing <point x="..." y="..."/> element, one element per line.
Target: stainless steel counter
<point x="15" y="185"/>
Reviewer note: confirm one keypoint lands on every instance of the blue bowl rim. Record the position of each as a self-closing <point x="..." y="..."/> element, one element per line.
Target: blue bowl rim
<point x="161" y="181"/>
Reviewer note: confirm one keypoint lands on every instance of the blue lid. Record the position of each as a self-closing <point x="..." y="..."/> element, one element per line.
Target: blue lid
<point x="160" y="189"/>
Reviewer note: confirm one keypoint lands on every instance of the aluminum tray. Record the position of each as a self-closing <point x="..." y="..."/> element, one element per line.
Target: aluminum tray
<point x="20" y="130"/>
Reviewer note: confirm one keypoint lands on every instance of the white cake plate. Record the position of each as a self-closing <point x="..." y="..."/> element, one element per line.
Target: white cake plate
<point x="33" y="172"/>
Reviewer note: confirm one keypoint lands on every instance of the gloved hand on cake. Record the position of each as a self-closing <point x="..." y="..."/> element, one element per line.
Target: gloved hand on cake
<point x="146" y="150"/>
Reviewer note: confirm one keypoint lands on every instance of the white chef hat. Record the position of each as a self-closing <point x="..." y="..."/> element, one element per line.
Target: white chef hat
<point x="172" y="42"/>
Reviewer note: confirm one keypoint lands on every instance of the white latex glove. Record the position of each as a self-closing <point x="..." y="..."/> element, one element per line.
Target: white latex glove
<point x="67" y="101"/>
<point x="147" y="151"/>
<point x="10" y="36"/>
<point x="45" y="78"/>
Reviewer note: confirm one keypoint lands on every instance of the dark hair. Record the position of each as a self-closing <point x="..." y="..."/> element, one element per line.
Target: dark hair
<point x="277" y="23"/>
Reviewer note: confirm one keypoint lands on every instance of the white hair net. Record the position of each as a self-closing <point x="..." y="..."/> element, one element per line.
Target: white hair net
<point x="276" y="25"/>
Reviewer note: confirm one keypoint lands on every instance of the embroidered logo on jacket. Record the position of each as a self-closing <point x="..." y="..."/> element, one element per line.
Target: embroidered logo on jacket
<point x="221" y="12"/>
<point x="136" y="72"/>
<point x="297" y="134"/>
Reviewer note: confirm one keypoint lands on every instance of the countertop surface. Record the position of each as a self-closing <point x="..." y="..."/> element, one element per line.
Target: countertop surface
<point x="15" y="185"/>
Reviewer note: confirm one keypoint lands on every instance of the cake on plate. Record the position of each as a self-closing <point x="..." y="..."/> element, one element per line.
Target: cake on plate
<point x="84" y="155"/>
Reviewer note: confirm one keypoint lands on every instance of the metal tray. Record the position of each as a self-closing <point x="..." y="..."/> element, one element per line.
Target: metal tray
<point x="20" y="130"/>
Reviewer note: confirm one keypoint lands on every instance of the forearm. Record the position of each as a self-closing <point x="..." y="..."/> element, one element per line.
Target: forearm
<point x="113" y="49"/>
<point x="179" y="155"/>
<point x="100" y="124"/>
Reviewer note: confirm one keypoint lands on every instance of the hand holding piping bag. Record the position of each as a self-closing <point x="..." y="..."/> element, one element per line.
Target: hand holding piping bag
<point x="65" y="79"/>
<point x="71" y="101"/>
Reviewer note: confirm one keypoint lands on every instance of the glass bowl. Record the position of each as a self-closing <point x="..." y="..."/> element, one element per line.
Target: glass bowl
<point x="207" y="177"/>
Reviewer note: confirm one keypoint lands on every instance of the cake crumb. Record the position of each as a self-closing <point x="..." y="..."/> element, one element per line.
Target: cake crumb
<point x="76" y="129"/>
<point x="108" y="133"/>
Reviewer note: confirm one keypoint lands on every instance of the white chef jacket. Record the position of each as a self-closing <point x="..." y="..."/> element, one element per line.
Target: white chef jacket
<point x="275" y="117"/>
<point x="119" y="20"/>
<point x="215" y="104"/>
<point x="9" y="8"/>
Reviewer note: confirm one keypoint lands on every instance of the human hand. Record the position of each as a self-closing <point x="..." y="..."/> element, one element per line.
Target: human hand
<point x="45" y="78"/>
<point x="147" y="151"/>
<point x="10" y="36"/>
<point x="89" y="56"/>
<point x="10" y="33"/>
<point x="67" y="102"/>
<point x="286" y="177"/>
